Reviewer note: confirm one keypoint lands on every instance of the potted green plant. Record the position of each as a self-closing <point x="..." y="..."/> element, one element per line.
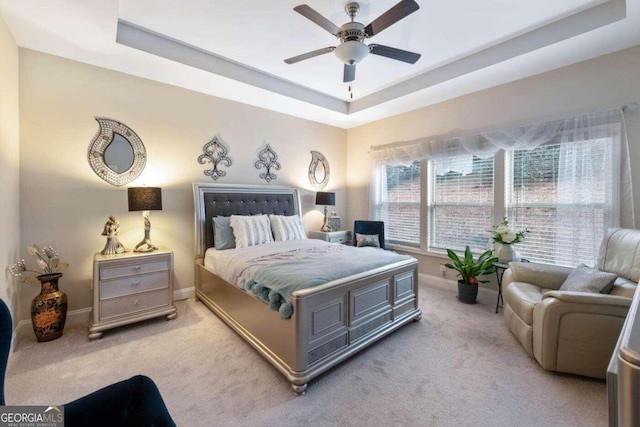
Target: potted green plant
<point x="469" y="269"/>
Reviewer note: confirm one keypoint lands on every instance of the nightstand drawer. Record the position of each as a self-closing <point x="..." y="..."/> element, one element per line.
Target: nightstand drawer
<point x="133" y="303"/>
<point x="344" y="238"/>
<point x="133" y="284"/>
<point x="107" y="272"/>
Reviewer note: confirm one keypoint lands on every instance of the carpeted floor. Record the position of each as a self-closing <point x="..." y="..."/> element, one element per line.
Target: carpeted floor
<point x="458" y="366"/>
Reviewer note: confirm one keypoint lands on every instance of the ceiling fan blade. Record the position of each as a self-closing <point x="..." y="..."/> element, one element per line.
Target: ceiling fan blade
<point x="308" y="55"/>
<point x="391" y="16"/>
<point x="318" y="19"/>
<point x="349" y="73"/>
<point x="393" y="53"/>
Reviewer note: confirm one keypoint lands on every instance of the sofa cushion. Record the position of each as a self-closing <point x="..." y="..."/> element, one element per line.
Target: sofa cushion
<point x="620" y="253"/>
<point x="522" y="298"/>
<point x="623" y="287"/>
<point x="543" y="275"/>
<point x="587" y="279"/>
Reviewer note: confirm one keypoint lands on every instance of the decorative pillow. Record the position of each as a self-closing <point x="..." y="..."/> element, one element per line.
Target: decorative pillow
<point x="223" y="237"/>
<point x="587" y="279"/>
<point x="286" y="228"/>
<point x="367" y="240"/>
<point x="251" y="230"/>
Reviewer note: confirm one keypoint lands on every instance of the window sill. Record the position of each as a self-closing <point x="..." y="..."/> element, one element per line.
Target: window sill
<point x="417" y="251"/>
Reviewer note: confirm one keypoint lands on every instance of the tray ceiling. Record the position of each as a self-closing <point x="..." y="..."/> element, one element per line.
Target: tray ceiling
<point x="236" y="50"/>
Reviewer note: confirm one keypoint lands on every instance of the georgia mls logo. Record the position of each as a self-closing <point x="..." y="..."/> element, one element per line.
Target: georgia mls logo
<point x="53" y="408"/>
<point x="31" y="416"/>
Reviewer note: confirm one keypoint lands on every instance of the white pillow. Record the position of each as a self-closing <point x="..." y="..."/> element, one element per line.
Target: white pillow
<point x="287" y="228"/>
<point x="251" y="230"/>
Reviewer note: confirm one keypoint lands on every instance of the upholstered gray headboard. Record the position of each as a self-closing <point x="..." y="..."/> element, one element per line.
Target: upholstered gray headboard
<point x="211" y="200"/>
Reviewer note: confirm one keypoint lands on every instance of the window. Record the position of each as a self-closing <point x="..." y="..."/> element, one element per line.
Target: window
<point x="567" y="181"/>
<point x="397" y="202"/>
<point x="460" y="203"/>
<point x="564" y="194"/>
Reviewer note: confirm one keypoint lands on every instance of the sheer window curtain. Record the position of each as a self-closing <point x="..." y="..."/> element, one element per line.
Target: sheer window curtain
<point x="593" y="129"/>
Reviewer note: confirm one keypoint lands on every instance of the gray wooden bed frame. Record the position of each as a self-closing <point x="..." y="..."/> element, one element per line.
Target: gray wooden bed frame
<point x="330" y="322"/>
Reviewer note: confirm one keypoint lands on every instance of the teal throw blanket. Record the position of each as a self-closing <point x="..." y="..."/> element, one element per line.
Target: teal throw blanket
<point x="302" y="269"/>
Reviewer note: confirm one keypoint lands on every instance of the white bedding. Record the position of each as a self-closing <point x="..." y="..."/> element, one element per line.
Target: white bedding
<point x="232" y="264"/>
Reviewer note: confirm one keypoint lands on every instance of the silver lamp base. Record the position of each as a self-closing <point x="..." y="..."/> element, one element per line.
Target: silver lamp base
<point x="145" y="245"/>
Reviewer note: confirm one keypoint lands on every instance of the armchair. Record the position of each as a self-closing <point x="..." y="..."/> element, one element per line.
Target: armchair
<point x="369" y="228"/>
<point x="569" y="331"/>
<point x="132" y="402"/>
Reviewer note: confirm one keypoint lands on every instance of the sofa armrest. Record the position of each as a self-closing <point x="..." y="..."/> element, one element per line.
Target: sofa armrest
<point x="576" y="332"/>
<point x="589" y="298"/>
<point x="543" y="275"/>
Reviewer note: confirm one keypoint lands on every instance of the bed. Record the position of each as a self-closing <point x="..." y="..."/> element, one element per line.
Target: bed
<point x="330" y="322"/>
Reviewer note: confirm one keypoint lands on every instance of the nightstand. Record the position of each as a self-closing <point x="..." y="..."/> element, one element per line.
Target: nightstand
<point x="131" y="287"/>
<point x="343" y="236"/>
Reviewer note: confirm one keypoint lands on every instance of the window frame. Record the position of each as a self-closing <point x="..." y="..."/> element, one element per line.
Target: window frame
<point x="430" y="195"/>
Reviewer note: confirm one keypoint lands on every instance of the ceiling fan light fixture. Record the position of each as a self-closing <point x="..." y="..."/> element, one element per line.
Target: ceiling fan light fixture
<point x="351" y="52"/>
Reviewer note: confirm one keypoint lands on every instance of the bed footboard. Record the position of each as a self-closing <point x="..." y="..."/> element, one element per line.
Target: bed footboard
<point x="329" y="324"/>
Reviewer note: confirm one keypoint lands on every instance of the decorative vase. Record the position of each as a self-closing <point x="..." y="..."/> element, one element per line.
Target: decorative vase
<point x="49" y="309"/>
<point x="507" y="253"/>
<point x="467" y="293"/>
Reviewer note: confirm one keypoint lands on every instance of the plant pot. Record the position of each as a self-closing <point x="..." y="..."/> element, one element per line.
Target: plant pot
<point x="467" y="293"/>
<point x="49" y="309"/>
<point x="507" y="253"/>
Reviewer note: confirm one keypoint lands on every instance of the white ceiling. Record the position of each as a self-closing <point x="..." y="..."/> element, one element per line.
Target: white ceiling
<point x="235" y="49"/>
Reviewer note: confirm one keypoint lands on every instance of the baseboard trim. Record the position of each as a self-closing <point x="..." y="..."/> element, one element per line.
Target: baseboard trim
<point x="74" y="318"/>
<point x="186" y="293"/>
<point x="452" y="285"/>
<point x="81" y="315"/>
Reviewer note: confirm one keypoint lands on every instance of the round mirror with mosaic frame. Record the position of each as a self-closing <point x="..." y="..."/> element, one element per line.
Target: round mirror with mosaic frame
<point x="116" y="153"/>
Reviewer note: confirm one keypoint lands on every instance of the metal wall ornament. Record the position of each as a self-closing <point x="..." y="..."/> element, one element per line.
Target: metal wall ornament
<point x="116" y="153"/>
<point x="215" y="151"/>
<point x="318" y="171"/>
<point x="268" y="159"/>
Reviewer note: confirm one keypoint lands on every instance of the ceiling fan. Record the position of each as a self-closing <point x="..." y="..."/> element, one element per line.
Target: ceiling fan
<point x="352" y="48"/>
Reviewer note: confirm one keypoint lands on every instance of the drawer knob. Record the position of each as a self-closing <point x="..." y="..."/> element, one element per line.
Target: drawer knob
<point x="136" y="268"/>
<point x="136" y="302"/>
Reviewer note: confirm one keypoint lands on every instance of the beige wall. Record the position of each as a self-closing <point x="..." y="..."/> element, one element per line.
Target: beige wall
<point x="65" y="204"/>
<point x="9" y="163"/>
<point x="606" y="82"/>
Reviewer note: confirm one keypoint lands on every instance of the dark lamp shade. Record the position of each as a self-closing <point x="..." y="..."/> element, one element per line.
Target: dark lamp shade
<point x="145" y="198"/>
<point x="323" y="198"/>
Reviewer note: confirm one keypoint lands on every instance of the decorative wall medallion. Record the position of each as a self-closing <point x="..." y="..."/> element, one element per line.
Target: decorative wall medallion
<point x="318" y="171"/>
<point x="116" y="153"/>
<point x="215" y="152"/>
<point x="268" y="159"/>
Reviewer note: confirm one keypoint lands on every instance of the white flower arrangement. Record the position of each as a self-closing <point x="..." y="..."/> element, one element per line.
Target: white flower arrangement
<point x="503" y="234"/>
<point x="47" y="259"/>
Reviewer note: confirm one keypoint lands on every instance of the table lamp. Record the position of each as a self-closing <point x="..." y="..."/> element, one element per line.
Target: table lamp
<point x="145" y="199"/>
<point x="326" y="199"/>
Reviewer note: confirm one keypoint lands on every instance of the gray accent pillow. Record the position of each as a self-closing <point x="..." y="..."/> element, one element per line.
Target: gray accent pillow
<point x="367" y="240"/>
<point x="223" y="237"/>
<point x="587" y="279"/>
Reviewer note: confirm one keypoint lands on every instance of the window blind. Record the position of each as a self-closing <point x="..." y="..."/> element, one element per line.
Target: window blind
<point x="565" y="194"/>
<point x="460" y="203"/>
<point x="398" y="202"/>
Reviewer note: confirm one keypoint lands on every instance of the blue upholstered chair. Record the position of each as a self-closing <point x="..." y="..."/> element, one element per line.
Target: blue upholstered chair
<point x="133" y="402"/>
<point x="370" y="228"/>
